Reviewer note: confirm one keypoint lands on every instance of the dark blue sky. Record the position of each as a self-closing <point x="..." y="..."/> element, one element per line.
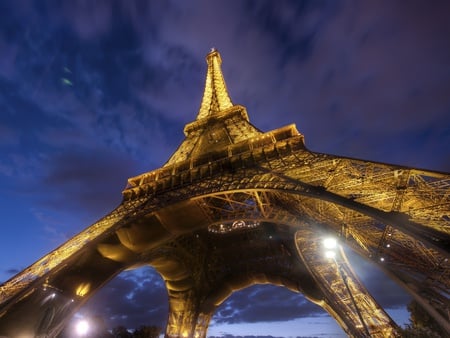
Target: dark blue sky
<point x="94" y="92"/>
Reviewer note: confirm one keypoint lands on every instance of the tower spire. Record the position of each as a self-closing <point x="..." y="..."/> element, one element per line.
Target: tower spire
<point x="215" y="96"/>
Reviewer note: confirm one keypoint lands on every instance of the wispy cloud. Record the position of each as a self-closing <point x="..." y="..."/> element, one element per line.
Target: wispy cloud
<point x="92" y="93"/>
<point x="131" y="299"/>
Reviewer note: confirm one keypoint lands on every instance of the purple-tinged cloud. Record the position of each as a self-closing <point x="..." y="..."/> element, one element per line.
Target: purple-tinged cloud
<point x="131" y="299"/>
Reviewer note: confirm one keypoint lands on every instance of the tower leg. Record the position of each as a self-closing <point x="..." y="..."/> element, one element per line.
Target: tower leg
<point x="344" y="297"/>
<point x="185" y="317"/>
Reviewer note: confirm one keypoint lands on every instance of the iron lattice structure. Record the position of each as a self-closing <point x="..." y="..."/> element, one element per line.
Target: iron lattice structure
<point x="234" y="206"/>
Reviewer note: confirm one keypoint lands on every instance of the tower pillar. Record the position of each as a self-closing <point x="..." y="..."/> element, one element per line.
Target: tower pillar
<point x="186" y="318"/>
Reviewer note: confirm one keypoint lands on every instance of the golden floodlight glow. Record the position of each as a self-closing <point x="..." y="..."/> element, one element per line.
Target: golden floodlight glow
<point x="192" y="220"/>
<point x="83" y="289"/>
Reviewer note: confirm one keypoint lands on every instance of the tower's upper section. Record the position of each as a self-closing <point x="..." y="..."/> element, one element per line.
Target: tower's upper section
<point x="219" y="122"/>
<point x="215" y="97"/>
<point x="221" y="131"/>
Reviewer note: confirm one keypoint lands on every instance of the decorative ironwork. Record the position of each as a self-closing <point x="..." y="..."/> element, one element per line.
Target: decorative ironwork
<point x="234" y="206"/>
<point x="223" y="228"/>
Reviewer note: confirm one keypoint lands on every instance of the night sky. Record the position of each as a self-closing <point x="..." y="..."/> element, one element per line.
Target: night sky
<point x="94" y="92"/>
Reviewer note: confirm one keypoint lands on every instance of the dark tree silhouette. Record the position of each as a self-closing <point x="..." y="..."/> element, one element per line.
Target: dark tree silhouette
<point x="121" y="332"/>
<point x="422" y="325"/>
<point x="147" y="332"/>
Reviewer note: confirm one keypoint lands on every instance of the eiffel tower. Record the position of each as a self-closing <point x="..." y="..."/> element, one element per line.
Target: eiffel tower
<point x="235" y="206"/>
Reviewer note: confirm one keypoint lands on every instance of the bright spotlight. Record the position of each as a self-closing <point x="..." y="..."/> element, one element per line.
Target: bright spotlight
<point x="330" y="243"/>
<point x="330" y="254"/>
<point x="82" y="327"/>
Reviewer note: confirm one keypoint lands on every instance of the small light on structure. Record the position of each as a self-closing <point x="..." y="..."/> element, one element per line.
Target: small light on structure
<point x="83" y="289"/>
<point x="330" y="254"/>
<point x="382" y="259"/>
<point x="82" y="327"/>
<point x="388" y="245"/>
<point x="330" y="243"/>
<point x="185" y="333"/>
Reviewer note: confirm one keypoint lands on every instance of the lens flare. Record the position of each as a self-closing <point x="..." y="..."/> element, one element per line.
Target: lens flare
<point x="330" y="243"/>
<point x="82" y="327"/>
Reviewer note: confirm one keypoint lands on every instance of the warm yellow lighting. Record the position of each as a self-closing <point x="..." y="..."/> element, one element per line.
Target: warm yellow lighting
<point x="228" y="227"/>
<point x="83" y="289"/>
<point x="185" y="333"/>
<point x="330" y="243"/>
<point x="215" y="96"/>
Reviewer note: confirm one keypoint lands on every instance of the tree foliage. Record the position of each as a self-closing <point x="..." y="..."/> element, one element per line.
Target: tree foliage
<point x="141" y="332"/>
<point x="147" y="332"/>
<point x="422" y="325"/>
<point x="121" y="332"/>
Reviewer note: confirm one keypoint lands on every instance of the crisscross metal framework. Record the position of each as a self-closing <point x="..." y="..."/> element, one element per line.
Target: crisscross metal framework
<point x="233" y="207"/>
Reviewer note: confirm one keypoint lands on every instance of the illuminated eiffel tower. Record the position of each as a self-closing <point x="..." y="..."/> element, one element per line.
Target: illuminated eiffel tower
<point x="233" y="207"/>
